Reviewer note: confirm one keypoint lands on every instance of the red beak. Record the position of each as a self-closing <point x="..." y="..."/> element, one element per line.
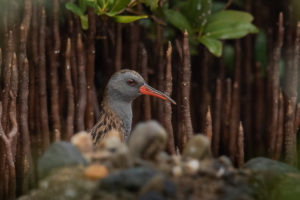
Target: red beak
<point x="147" y="90"/>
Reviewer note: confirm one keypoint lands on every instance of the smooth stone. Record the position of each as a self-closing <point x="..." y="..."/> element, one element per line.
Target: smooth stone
<point x="132" y="183"/>
<point x="261" y="164"/>
<point x="147" y="140"/>
<point x="96" y="172"/>
<point x="59" y="154"/>
<point x="83" y="141"/>
<point x="63" y="184"/>
<point x="198" y="147"/>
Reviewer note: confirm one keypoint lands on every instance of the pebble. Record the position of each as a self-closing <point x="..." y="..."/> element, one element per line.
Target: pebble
<point x="96" y="172"/>
<point x="198" y="148"/>
<point x="83" y="141"/>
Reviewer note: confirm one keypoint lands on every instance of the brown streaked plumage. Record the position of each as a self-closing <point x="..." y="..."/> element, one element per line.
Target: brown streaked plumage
<point x="107" y="122"/>
<point x="122" y="88"/>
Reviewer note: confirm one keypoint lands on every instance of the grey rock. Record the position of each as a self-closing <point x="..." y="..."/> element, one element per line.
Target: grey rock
<point x="59" y="154"/>
<point x="261" y="164"/>
<point x="63" y="184"/>
<point x="273" y="179"/>
<point x="198" y="148"/>
<point x="133" y="183"/>
<point x="147" y="140"/>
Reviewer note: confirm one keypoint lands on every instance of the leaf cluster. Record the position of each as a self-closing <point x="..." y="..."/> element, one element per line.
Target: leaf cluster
<point x="195" y="16"/>
<point x="110" y="8"/>
<point x="206" y="27"/>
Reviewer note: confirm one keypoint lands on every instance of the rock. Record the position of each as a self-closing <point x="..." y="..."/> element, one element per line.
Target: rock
<point x="63" y="184"/>
<point x="192" y="166"/>
<point x="59" y="154"/>
<point x="274" y="179"/>
<point x="147" y="140"/>
<point x="261" y="164"/>
<point x="83" y="141"/>
<point x="119" y="156"/>
<point x="95" y="172"/>
<point x="132" y="183"/>
<point x="116" y="135"/>
<point x="198" y="148"/>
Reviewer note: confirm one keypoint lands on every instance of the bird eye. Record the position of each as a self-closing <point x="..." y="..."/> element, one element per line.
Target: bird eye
<point x="131" y="82"/>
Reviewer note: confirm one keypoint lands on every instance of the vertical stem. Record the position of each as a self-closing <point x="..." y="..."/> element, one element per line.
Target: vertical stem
<point x="208" y="126"/>
<point x="70" y="93"/>
<point x="259" y="107"/>
<point x="24" y="158"/>
<point x="6" y="79"/>
<point x="185" y="87"/>
<point x="217" y="119"/>
<point x="167" y="106"/>
<point x="90" y="70"/>
<point x="290" y="136"/>
<point x="42" y="82"/>
<point x="118" y="49"/>
<point x="279" y="137"/>
<point x="226" y="113"/>
<point x="144" y="72"/>
<point x="272" y="84"/>
<point x="54" y="64"/>
<point x="234" y="121"/>
<point x="81" y="98"/>
<point x="240" y="156"/>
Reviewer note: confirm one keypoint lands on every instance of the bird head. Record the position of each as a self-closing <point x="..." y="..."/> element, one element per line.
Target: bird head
<point x="126" y="85"/>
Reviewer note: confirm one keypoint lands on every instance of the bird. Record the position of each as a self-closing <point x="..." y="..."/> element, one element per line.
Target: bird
<point x="123" y="87"/>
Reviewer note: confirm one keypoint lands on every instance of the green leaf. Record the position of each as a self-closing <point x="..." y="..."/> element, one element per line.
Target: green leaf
<point x="153" y="4"/>
<point x="84" y="22"/>
<point x="83" y="5"/>
<point x="74" y="8"/>
<point x="117" y="7"/>
<point x="196" y="11"/>
<point x="232" y="31"/>
<point x="229" y="16"/>
<point x="178" y="20"/>
<point x="213" y="45"/>
<point x="229" y="24"/>
<point x="128" y="19"/>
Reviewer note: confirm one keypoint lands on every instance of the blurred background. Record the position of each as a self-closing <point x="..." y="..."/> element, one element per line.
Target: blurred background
<point x="234" y="74"/>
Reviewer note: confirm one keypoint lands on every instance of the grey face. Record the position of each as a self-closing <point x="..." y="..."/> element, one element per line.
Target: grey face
<point x="125" y="85"/>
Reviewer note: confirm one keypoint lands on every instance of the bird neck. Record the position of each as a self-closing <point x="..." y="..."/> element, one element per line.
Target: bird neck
<point x="123" y="110"/>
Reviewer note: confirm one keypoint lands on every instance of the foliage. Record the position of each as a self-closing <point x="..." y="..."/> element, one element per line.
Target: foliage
<point x="110" y="8"/>
<point x="209" y="28"/>
<point x="195" y="16"/>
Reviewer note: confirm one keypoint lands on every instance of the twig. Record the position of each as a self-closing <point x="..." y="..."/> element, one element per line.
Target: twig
<point x="208" y="126"/>
<point x="240" y="155"/>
